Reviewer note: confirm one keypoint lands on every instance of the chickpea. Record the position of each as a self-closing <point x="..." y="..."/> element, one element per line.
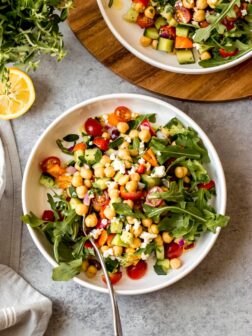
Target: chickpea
<point x="175" y="263"/>
<point x="109" y="171"/>
<point x="131" y="186"/>
<point x="113" y="194"/>
<point x="181" y="171"/>
<point x="159" y="241"/>
<point x="123" y="153"/>
<point x="201" y="4"/>
<point x="130" y="203"/>
<point x="81" y="209"/>
<point x="91" y="271"/>
<point x="136" y="243"/>
<point x="154" y="44"/>
<point x="150" y="12"/>
<point x="199" y="15"/>
<point x="106" y="135"/>
<point x="81" y="191"/>
<point x="188" y="3"/>
<point x="88" y="183"/>
<point x="153" y="229"/>
<point x="186" y="179"/>
<point x="122" y="127"/>
<point x="84" y="265"/>
<point x="99" y="172"/>
<point x="213" y="3"/>
<point x="145" y="41"/>
<point x="123" y="179"/>
<point x="130" y="250"/>
<point x="109" y="212"/>
<point x="147" y="222"/>
<point x="118" y="250"/>
<point x="104" y="248"/>
<point x="77" y="181"/>
<point x="173" y="143"/>
<point x="166" y="237"/>
<point x="86" y="173"/>
<point x="138" y="6"/>
<point x="77" y="167"/>
<point x="105" y="159"/>
<point x="133" y="134"/>
<point x="130" y="219"/>
<point x="124" y="145"/>
<point x="128" y="162"/>
<point x="135" y="177"/>
<point x="205" y="55"/>
<point x="133" y="152"/>
<point x="145" y="135"/>
<point x="91" y="220"/>
<point x="76" y="173"/>
<point x="137" y="232"/>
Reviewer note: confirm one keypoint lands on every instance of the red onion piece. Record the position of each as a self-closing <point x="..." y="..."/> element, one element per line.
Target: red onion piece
<point x="71" y="170"/>
<point x="181" y="242"/>
<point x="86" y="199"/>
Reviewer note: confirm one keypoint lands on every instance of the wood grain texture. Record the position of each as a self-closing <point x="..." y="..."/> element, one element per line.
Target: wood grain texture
<point x="88" y="25"/>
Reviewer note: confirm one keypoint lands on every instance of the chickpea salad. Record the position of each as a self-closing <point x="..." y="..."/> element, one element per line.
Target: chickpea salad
<point x="141" y="188"/>
<point x="214" y="32"/>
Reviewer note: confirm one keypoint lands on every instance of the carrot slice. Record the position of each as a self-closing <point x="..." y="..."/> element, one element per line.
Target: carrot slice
<point x="109" y="239"/>
<point x="183" y="43"/>
<point x="103" y="238"/>
<point x="149" y="156"/>
<point x="80" y="146"/>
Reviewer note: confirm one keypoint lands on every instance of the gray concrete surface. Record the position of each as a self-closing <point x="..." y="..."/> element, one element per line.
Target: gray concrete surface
<point x="215" y="299"/>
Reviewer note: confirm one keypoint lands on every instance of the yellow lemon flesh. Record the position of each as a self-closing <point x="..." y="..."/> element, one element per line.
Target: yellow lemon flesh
<point x="20" y="95"/>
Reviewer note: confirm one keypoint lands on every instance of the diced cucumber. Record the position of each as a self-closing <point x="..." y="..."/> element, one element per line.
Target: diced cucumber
<point x="116" y="227"/>
<point x="127" y="237"/>
<point x="172" y="22"/>
<point x="152" y="33"/>
<point x="182" y="31"/>
<point x="117" y="176"/>
<point x="101" y="183"/>
<point x="150" y="181"/>
<point x="165" y="45"/>
<point x="185" y="56"/>
<point x="117" y="241"/>
<point x="74" y="202"/>
<point x="160" y="22"/>
<point x="131" y="15"/>
<point x="78" y="154"/>
<point x="160" y="253"/>
<point x="92" y="155"/>
<point x="165" y="264"/>
<point x="47" y="180"/>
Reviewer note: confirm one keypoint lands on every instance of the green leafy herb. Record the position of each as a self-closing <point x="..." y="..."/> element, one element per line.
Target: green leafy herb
<point x="125" y="210"/>
<point x="133" y="124"/>
<point x="32" y="220"/>
<point x="67" y="270"/>
<point x="159" y="269"/>
<point x="62" y="148"/>
<point x="71" y="138"/>
<point x="116" y="143"/>
<point x="111" y="265"/>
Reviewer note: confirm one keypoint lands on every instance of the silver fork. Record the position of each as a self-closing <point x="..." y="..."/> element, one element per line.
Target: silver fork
<point x="115" y="311"/>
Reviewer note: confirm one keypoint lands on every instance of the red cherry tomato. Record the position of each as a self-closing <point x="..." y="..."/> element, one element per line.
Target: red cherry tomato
<point x="141" y="169"/>
<point x="48" y="163"/>
<point x="168" y="32"/>
<point x="88" y="245"/>
<point x="122" y="114"/>
<point x="100" y="201"/>
<point x="137" y="271"/>
<point x="173" y="250"/>
<point x="229" y="25"/>
<point x="146" y="124"/>
<point x="224" y="53"/>
<point x="238" y="14"/>
<point x="133" y="196"/>
<point x="48" y="216"/>
<point x="207" y="186"/>
<point x="114" y="277"/>
<point x="144" y="2"/>
<point x="144" y="22"/>
<point x="183" y="15"/>
<point x="101" y="143"/>
<point x="93" y="127"/>
<point x="154" y="202"/>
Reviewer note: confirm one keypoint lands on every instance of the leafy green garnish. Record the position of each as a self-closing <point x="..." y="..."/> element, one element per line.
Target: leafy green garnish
<point x="62" y="147"/>
<point x="133" y="124"/>
<point x="159" y="269"/>
<point x="111" y="265"/>
<point x="71" y="138"/>
<point x="116" y="143"/>
<point x="67" y="270"/>
<point x="125" y="210"/>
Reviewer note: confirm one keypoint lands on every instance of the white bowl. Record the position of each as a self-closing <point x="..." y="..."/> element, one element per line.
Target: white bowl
<point x="128" y="35"/>
<point x="34" y="195"/>
<point x="2" y="170"/>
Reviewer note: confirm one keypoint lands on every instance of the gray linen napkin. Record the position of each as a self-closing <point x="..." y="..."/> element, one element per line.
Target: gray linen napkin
<point x="23" y="311"/>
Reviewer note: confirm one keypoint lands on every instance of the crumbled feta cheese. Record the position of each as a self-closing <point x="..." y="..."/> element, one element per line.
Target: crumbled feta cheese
<point x="86" y="166"/>
<point x="158" y="172"/>
<point x="132" y="170"/>
<point x="147" y="238"/>
<point x="104" y="221"/>
<point x="111" y="185"/>
<point x="119" y="166"/>
<point x="90" y="143"/>
<point x="196" y="45"/>
<point x="95" y="233"/>
<point x="141" y="161"/>
<point x="127" y="227"/>
<point x="141" y="147"/>
<point x="112" y="157"/>
<point x="244" y="12"/>
<point x="108" y="253"/>
<point x="158" y="153"/>
<point x="137" y="224"/>
<point x="141" y="185"/>
<point x="144" y="256"/>
<point x="128" y="139"/>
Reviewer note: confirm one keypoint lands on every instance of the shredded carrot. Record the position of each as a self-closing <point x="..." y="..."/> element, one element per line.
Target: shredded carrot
<point x="80" y="146"/>
<point x="149" y="156"/>
<point x="109" y="239"/>
<point x="103" y="238"/>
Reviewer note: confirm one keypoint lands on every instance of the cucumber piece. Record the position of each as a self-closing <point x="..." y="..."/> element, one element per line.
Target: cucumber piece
<point x="160" y="22"/>
<point x="92" y="155"/>
<point x="182" y="31"/>
<point x="47" y="180"/>
<point x="152" y="33"/>
<point x="101" y="183"/>
<point x="74" y="202"/>
<point x="150" y="181"/>
<point x="165" y="45"/>
<point x="131" y="15"/>
<point x="117" y="241"/>
<point x="165" y="264"/>
<point x="172" y="22"/>
<point x="127" y="237"/>
<point x="116" y="227"/>
<point x="160" y="253"/>
<point x="185" y="56"/>
<point x="78" y="155"/>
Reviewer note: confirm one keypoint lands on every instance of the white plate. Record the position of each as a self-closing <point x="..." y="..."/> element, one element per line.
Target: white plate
<point x="2" y="170"/>
<point x="128" y="35"/>
<point x="34" y="195"/>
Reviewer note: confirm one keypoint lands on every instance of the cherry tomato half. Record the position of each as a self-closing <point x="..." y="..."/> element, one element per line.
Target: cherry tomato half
<point x="88" y="245"/>
<point x="144" y="2"/>
<point x="137" y="271"/>
<point x="93" y="127"/>
<point x="123" y="114"/>
<point x="207" y="186"/>
<point x="101" y="143"/>
<point x="183" y="15"/>
<point x="48" y="216"/>
<point x="173" y="250"/>
<point x="100" y="200"/>
<point x="146" y="124"/>
<point x="224" y="53"/>
<point x="229" y="25"/>
<point x="48" y="163"/>
<point x="141" y="169"/>
<point x="133" y="196"/>
<point x="114" y="277"/>
<point x="168" y="32"/>
<point x="154" y="202"/>
<point x="144" y="22"/>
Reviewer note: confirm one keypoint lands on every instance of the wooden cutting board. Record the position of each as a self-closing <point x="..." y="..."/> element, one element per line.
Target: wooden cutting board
<point x="91" y="30"/>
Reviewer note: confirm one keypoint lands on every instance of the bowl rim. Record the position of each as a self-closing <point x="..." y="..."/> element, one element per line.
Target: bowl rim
<point x="160" y="65"/>
<point x="180" y="113"/>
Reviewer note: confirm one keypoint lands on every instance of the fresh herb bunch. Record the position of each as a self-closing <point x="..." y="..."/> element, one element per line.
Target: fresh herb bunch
<point x="29" y="28"/>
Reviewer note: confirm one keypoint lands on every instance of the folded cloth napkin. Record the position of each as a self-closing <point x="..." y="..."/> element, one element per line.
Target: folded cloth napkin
<point x="23" y="311"/>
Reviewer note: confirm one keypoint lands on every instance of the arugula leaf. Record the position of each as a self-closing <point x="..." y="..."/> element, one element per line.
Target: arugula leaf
<point x="116" y="143"/>
<point x="197" y="171"/>
<point x="111" y="265"/>
<point x="125" y="210"/>
<point x="62" y="148"/>
<point x="133" y="124"/>
<point x="32" y="220"/>
<point x="174" y="152"/>
<point x="53" y="205"/>
<point x="214" y="220"/>
<point x="159" y="269"/>
<point x="71" y="138"/>
<point x="67" y="270"/>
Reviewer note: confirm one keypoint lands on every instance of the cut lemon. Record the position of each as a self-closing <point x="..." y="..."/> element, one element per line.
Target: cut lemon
<point x="20" y="95"/>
